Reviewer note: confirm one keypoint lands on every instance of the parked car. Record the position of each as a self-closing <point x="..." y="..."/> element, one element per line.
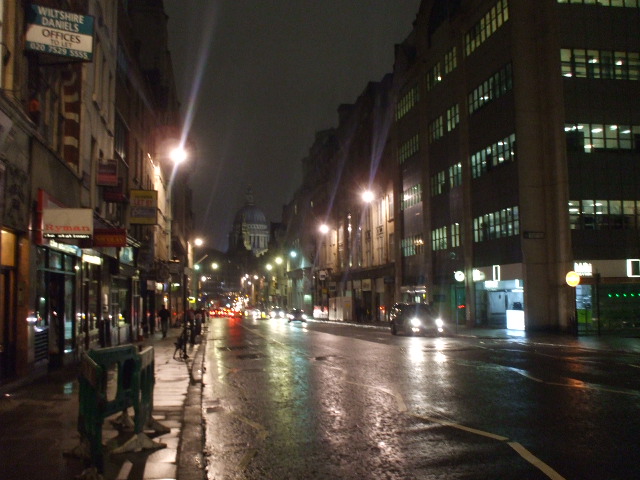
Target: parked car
<point x="416" y="319"/>
<point x="297" y="315"/>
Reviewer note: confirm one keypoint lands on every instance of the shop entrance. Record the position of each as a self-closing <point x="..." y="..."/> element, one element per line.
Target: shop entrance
<point x="59" y="314"/>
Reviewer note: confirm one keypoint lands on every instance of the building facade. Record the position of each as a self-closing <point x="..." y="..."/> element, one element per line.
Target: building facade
<point x="86" y="200"/>
<point x="516" y="139"/>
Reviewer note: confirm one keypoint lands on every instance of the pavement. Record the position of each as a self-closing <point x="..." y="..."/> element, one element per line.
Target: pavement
<point x="39" y="436"/>
<point x="39" y="418"/>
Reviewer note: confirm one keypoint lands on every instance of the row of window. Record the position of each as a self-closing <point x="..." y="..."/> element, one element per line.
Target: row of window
<point x="411" y="196"/>
<point x="409" y="148"/>
<point x="434" y="75"/>
<point x="486" y="27"/>
<point x="588" y="137"/>
<point x="606" y="64"/>
<point x="407" y="102"/>
<point x="604" y="214"/>
<point x="605" y="3"/>
<point x="490" y="157"/>
<point x="500" y="224"/>
<point x="439" y="180"/>
<point x="494" y="87"/>
<point x="412" y="245"/>
<point x="446" y="237"/>
<point x="436" y="127"/>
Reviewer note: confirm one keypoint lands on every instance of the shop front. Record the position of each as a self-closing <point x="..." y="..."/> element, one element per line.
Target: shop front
<point x="607" y="298"/>
<point x="499" y="297"/>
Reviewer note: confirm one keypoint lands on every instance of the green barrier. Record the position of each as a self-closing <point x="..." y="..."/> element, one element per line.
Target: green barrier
<point x="134" y="382"/>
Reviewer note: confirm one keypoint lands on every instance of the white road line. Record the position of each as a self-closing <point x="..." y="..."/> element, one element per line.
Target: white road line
<point x="447" y="423"/>
<point x="125" y="469"/>
<point x="535" y="461"/>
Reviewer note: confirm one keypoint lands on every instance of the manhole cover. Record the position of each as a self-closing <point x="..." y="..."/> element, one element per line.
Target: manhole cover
<point x="234" y="347"/>
<point x="249" y="356"/>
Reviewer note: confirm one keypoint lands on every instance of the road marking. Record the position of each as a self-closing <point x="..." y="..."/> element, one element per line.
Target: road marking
<point x="263" y="433"/>
<point x="535" y="461"/>
<point x="246" y="458"/>
<point x="123" y="474"/>
<point x="447" y="423"/>
<point x="522" y="451"/>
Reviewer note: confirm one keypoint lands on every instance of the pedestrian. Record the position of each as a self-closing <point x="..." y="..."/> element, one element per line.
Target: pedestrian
<point x="164" y="315"/>
<point x="199" y="318"/>
<point x="191" y="324"/>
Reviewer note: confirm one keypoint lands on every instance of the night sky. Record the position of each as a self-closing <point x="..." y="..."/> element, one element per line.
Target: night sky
<point x="258" y="78"/>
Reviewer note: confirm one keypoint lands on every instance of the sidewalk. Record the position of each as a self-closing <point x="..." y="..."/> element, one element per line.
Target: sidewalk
<point x="39" y="424"/>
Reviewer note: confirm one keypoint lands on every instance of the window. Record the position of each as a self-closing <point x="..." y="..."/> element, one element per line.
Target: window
<point x="453" y="117"/>
<point x="493" y="155"/>
<point x="605" y="64"/>
<point x="455" y="235"/>
<point x="434" y="76"/>
<point x="411" y="196"/>
<point x="486" y="27"/>
<point x="407" y="102"/>
<point x="588" y="137"/>
<point x="436" y="129"/>
<point x="450" y="60"/>
<point x="605" y="3"/>
<point x="412" y="245"/>
<point x="455" y="175"/>
<point x="439" y="239"/>
<point x="494" y="87"/>
<point x="438" y="183"/>
<point x="604" y="214"/>
<point x="500" y="224"/>
<point x="408" y="148"/>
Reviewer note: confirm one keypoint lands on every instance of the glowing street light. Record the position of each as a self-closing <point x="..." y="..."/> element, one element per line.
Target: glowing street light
<point x="214" y="265"/>
<point x="279" y="260"/>
<point x="367" y="196"/>
<point x="198" y="242"/>
<point x="178" y="155"/>
<point x="324" y="228"/>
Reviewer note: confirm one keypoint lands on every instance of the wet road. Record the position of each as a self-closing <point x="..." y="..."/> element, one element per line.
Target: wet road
<point x="327" y="401"/>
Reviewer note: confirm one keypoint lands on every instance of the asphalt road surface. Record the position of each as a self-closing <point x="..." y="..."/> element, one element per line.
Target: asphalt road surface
<point x="331" y="401"/>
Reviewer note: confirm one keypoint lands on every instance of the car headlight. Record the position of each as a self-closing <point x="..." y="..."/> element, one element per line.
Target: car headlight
<point x="415" y="322"/>
<point x="439" y="323"/>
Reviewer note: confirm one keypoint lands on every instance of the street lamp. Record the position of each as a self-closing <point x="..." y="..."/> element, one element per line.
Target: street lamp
<point x="368" y="196"/>
<point x="178" y="155"/>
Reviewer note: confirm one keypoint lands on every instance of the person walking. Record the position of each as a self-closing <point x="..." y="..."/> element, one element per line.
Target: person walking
<point x="164" y="315"/>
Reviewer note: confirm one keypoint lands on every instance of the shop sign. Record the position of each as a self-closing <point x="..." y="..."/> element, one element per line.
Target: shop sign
<point x="366" y="284"/>
<point x="115" y="194"/>
<point x="67" y="223"/>
<point x="110" y="237"/>
<point x="143" y="207"/>
<point x="107" y="173"/>
<point x="584" y="269"/>
<point x="58" y="32"/>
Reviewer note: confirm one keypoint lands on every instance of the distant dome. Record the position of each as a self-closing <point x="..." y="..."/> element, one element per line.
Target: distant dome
<point x="250" y="228"/>
<point x="250" y="214"/>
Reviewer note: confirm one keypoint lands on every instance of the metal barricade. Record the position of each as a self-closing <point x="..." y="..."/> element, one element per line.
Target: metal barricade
<point x="133" y="379"/>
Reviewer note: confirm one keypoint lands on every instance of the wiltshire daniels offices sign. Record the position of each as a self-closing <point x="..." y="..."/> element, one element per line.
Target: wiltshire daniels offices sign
<point x="58" y="32"/>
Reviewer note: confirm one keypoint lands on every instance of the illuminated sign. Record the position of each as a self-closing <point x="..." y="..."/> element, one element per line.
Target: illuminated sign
<point x="584" y="269"/>
<point x="67" y="223"/>
<point x="143" y="207"/>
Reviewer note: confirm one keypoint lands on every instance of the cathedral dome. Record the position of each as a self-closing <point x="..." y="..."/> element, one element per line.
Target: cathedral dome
<point x="250" y="228"/>
<point x="250" y="214"/>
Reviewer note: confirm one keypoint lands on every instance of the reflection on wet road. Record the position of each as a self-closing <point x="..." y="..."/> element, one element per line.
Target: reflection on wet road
<point x="313" y="401"/>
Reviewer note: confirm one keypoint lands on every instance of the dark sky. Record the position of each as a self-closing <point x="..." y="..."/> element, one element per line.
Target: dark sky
<point x="260" y="78"/>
